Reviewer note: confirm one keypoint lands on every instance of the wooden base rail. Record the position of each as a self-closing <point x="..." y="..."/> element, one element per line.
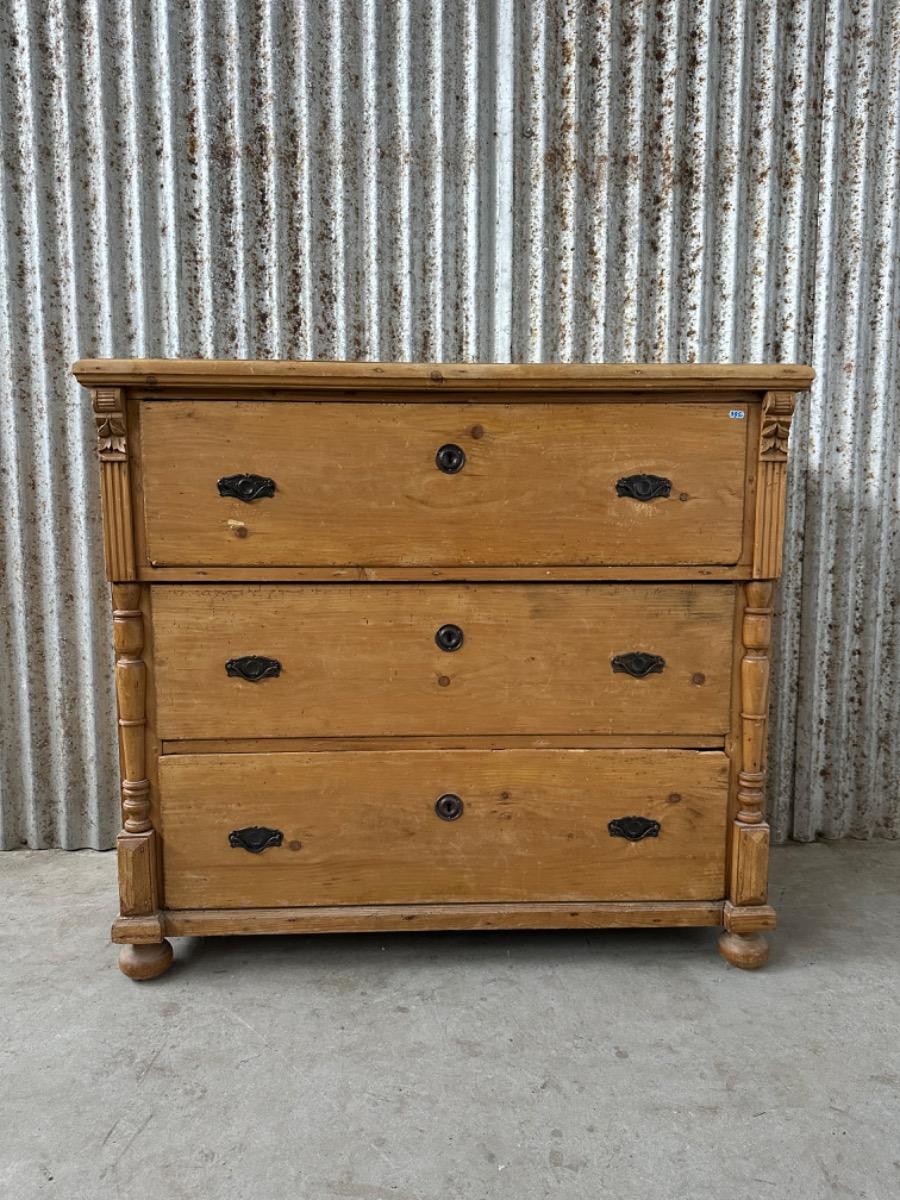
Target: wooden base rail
<point x="383" y="918"/>
<point x="146" y="952"/>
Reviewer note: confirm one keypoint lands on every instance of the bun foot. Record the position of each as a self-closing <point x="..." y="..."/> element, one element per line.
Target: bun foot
<point x="745" y="950"/>
<point x="145" y="961"/>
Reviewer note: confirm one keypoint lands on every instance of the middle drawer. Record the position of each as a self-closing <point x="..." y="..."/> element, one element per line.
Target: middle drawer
<point x="359" y="660"/>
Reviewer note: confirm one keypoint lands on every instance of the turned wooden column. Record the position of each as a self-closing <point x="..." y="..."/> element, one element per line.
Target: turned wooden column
<point x="131" y="691"/>
<point x="145" y="953"/>
<point x="747" y="912"/>
<point x="757" y="638"/>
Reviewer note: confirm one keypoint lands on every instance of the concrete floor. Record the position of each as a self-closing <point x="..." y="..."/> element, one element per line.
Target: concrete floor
<point x="454" y="1066"/>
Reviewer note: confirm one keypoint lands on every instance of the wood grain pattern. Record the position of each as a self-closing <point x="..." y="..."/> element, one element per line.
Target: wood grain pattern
<point x="778" y="411"/>
<point x="416" y="918"/>
<point x="757" y="637"/>
<point x="362" y="661"/>
<point x="136" y="846"/>
<point x="362" y="828"/>
<point x="467" y="741"/>
<point x="131" y="683"/>
<point x="115" y="484"/>
<point x="268" y="373"/>
<point x="749" y="951"/>
<point x="411" y="397"/>
<point x="136" y="869"/>
<point x="749" y="842"/>
<point x="143" y="930"/>
<point x="748" y="918"/>
<point x="749" y="864"/>
<point x="358" y="484"/>
<point x="142" y="961"/>
<point x="638" y="573"/>
<point x="151" y="741"/>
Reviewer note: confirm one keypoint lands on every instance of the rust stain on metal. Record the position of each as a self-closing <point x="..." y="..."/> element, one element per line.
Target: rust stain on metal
<point x="437" y="182"/>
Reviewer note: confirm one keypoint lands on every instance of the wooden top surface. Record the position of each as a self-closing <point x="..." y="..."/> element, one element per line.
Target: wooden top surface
<point x="587" y="377"/>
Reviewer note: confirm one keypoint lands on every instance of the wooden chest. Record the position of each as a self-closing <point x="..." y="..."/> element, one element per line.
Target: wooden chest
<point x="441" y="647"/>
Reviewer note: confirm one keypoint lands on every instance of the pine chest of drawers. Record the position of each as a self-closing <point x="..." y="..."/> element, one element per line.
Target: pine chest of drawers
<point x="441" y="647"/>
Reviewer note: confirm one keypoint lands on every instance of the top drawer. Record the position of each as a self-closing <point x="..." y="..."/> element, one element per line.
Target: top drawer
<point x="520" y="485"/>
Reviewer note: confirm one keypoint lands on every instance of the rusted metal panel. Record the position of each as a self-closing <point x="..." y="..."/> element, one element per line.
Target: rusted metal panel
<point x="482" y="179"/>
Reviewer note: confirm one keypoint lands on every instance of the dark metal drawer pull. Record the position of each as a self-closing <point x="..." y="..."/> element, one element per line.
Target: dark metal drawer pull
<point x="253" y="667"/>
<point x="449" y="637"/>
<point x="638" y="664"/>
<point x="450" y="458"/>
<point x="644" y="487"/>
<point x="448" y="807"/>
<point x="255" y="838"/>
<point x="246" y="487"/>
<point x="634" y="829"/>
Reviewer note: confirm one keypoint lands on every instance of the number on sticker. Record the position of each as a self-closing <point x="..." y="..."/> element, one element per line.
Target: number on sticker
<point x="737" y="414"/>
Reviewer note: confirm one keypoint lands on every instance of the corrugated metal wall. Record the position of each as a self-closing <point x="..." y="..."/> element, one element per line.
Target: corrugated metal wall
<point x="411" y="179"/>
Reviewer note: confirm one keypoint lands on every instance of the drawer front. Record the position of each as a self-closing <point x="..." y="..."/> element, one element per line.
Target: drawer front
<point x="364" y="827"/>
<point x="358" y="660"/>
<point x="360" y="484"/>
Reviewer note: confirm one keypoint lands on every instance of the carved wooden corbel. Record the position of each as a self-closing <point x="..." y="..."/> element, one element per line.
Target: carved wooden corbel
<point x="115" y="485"/>
<point x="778" y="409"/>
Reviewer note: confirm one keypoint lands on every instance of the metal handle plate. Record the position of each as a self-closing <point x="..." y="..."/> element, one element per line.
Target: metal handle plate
<point x="246" y="487"/>
<point x="633" y="829"/>
<point x="255" y="838"/>
<point x="253" y="667"/>
<point x="638" y="664"/>
<point x="644" y="487"/>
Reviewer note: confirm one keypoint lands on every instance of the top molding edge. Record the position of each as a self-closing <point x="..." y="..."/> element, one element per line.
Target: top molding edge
<point x="440" y="377"/>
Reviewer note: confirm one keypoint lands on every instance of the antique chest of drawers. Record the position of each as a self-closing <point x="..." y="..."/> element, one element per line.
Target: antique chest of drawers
<point x="441" y="646"/>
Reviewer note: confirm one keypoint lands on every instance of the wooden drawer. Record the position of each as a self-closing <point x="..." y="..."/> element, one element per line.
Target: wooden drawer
<point x="362" y="827"/>
<point x="363" y="660"/>
<point x="358" y="484"/>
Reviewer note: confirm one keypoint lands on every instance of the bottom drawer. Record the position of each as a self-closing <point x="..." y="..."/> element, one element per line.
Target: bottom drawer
<point x="370" y="827"/>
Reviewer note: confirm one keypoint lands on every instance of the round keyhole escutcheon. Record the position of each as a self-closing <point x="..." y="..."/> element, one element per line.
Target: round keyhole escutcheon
<point x="450" y="458"/>
<point x="448" y="807"/>
<point x="449" y="638"/>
